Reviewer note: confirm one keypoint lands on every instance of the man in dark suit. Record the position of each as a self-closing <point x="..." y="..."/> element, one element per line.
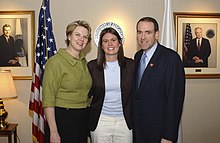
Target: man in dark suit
<point x="158" y="93"/>
<point x="199" y="50"/>
<point x="7" y="49"/>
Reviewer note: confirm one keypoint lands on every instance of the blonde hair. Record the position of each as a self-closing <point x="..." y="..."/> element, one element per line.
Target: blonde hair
<point x="72" y="26"/>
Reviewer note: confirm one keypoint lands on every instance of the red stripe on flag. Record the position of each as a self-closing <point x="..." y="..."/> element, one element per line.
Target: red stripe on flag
<point x="38" y="134"/>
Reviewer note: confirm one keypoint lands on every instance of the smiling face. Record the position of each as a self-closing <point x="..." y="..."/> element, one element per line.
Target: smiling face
<point x="146" y="35"/>
<point x="110" y="45"/>
<point x="78" y="39"/>
<point x="7" y="31"/>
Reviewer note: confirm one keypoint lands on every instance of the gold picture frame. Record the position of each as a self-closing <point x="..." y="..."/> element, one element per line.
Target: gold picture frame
<point x="22" y="28"/>
<point x="210" y="24"/>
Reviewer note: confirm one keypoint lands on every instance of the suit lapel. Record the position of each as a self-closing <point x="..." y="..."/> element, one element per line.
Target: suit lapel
<point x="123" y="76"/>
<point x="99" y="78"/>
<point x="137" y="64"/>
<point x="102" y="81"/>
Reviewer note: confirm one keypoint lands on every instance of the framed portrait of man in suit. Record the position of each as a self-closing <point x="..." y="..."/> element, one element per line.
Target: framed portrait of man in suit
<point x="17" y="43"/>
<point x="197" y="44"/>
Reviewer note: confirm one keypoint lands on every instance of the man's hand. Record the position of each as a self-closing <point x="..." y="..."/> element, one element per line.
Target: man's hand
<point x="13" y="62"/>
<point x="165" y="141"/>
<point x="197" y="60"/>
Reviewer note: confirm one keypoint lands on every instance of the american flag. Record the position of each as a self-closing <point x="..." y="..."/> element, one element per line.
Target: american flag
<point x="45" y="48"/>
<point x="187" y="39"/>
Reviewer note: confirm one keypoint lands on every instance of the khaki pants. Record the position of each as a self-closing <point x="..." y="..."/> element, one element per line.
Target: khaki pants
<point x="111" y="130"/>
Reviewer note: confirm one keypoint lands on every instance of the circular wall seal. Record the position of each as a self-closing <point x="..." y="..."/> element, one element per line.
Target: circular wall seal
<point x="210" y="33"/>
<point x="107" y="25"/>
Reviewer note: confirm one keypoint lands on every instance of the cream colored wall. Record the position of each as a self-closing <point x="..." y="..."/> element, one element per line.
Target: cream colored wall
<point x="201" y="115"/>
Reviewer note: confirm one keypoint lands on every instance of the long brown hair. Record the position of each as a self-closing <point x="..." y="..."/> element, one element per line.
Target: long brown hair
<point x="101" y="54"/>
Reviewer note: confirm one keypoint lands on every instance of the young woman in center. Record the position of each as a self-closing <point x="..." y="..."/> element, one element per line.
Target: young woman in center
<point x="112" y="78"/>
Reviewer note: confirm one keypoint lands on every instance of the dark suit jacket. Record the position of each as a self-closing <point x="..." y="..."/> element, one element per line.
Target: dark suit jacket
<point x="98" y="91"/>
<point x="203" y="53"/>
<point x="157" y="103"/>
<point x="7" y="51"/>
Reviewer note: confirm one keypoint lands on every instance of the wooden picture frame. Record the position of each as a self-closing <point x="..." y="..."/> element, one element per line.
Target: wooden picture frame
<point x="23" y="31"/>
<point x="210" y="24"/>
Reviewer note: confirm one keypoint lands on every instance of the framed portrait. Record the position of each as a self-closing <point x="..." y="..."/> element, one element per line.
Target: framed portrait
<point x="198" y="44"/>
<point x="17" y="43"/>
